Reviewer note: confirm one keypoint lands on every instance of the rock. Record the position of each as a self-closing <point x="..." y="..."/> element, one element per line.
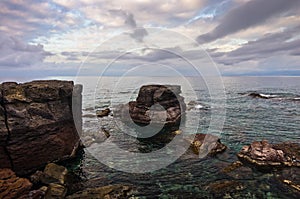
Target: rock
<point x="54" y="173"/>
<point x="233" y="166"/>
<point x="166" y="97"/>
<point x="38" y="124"/>
<point x="111" y="191"/>
<point x="158" y="105"/>
<point x="103" y="113"/>
<point x="12" y="186"/>
<point x="56" y="191"/>
<point x="267" y="156"/>
<point x="257" y="95"/>
<point x="290" y="177"/>
<point x="221" y="189"/>
<point x="38" y="194"/>
<point x="207" y="143"/>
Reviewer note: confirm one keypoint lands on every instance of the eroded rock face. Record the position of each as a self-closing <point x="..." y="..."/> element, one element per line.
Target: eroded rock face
<point x="264" y="154"/>
<point x="36" y="123"/>
<point x="166" y="103"/>
<point x="12" y="186"/>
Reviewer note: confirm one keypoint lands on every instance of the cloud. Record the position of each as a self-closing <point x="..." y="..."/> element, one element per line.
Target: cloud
<point x="138" y="33"/>
<point x="246" y="15"/>
<point x="15" y="53"/>
<point x="269" y="45"/>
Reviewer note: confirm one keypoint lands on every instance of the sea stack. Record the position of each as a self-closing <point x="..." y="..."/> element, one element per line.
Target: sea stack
<point x="37" y="123"/>
<point x="156" y="104"/>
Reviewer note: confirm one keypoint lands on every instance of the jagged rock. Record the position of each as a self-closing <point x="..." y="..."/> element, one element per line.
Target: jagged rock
<point x="103" y="113"/>
<point x="111" y="191"/>
<point x="56" y="191"/>
<point x="169" y="110"/>
<point x="11" y="186"/>
<point x="159" y="106"/>
<point x="207" y="143"/>
<point x="233" y="166"/>
<point x="265" y="155"/>
<point x="40" y="126"/>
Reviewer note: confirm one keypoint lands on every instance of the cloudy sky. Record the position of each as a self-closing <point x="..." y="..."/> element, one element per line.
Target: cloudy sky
<point x="61" y="37"/>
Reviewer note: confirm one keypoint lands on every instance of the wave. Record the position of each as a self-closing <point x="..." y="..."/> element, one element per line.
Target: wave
<point x="277" y="96"/>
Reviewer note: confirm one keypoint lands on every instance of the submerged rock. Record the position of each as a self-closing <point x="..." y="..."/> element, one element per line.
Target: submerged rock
<point x="111" y="191"/>
<point x="11" y="186"/>
<point x="37" y="123"/>
<point x="265" y="155"/>
<point x="207" y="144"/>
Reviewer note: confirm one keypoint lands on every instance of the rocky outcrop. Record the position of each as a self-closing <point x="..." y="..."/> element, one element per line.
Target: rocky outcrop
<point x="161" y="103"/>
<point x="208" y="144"/>
<point x="36" y="123"/>
<point x="159" y="106"/>
<point x="11" y="186"/>
<point x="265" y="155"/>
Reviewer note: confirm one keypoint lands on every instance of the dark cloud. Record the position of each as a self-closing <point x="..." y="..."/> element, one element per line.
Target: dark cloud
<point x="15" y="53"/>
<point x="249" y="14"/>
<point x="138" y="33"/>
<point x="269" y="45"/>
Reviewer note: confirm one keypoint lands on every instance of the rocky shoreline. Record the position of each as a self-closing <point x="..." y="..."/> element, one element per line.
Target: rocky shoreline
<point x="40" y="124"/>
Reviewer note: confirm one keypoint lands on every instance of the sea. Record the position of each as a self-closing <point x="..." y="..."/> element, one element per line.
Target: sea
<point x="222" y="106"/>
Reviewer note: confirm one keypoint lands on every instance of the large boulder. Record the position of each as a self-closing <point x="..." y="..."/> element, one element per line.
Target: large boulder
<point x="36" y="123"/>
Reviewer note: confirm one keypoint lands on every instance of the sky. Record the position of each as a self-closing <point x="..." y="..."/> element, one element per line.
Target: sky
<point x="117" y="37"/>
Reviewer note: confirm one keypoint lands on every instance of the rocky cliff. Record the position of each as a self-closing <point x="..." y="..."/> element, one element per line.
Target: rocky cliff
<point x="36" y="123"/>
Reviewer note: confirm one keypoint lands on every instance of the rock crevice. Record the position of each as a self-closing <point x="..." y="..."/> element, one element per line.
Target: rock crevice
<point x="7" y="138"/>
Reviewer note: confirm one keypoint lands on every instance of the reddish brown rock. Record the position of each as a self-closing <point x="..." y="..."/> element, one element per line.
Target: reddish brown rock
<point x="265" y="155"/>
<point x="11" y="186"/>
<point x="40" y="126"/>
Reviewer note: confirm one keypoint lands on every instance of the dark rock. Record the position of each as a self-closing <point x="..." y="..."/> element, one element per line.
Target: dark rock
<point x="40" y="125"/>
<point x="11" y="186"/>
<point x="290" y="177"/>
<point x="168" y="99"/>
<point x="221" y="189"/>
<point x="103" y="113"/>
<point x="207" y="143"/>
<point x="111" y="191"/>
<point x="158" y="105"/>
<point x="267" y="156"/>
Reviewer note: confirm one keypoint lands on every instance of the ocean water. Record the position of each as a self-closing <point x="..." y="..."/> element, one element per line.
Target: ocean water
<point x="224" y="108"/>
<point x="274" y="117"/>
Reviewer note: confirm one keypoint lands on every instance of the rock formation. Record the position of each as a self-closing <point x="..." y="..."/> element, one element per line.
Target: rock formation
<point x="159" y="105"/>
<point x="265" y="155"/>
<point x="12" y="186"/>
<point x="209" y="143"/>
<point x="36" y="123"/>
<point x="168" y="99"/>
